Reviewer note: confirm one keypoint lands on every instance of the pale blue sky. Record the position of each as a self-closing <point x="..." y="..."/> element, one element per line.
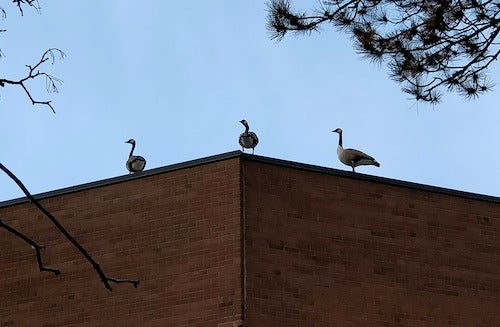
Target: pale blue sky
<point x="178" y="77"/>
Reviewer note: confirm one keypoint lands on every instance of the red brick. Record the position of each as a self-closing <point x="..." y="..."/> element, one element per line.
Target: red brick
<point x="322" y="248"/>
<point x="325" y="250"/>
<point x="165" y="230"/>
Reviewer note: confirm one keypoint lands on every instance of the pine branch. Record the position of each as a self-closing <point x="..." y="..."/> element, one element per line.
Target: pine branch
<point x="428" y="45"/>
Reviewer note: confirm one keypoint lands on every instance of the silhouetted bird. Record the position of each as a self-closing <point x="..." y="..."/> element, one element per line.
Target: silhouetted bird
<point x="248" y="140"/>
<point x="351" y="157"/>
<point x="134" y="163"/>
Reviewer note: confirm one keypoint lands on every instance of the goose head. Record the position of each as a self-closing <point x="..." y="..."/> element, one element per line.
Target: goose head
<point x="131" y="141"/>
<point x="338" y="130"/>
<point x="244" y="122"/>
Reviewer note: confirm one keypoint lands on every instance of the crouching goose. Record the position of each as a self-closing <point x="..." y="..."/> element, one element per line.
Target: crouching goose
<point x="351" y="157"/>
<point x="134" y="163"/>
<point x="248" y="139"/>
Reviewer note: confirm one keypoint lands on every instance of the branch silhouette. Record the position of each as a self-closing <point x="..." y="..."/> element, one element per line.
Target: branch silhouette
<point x="105" y="280"/>
<point x="427" y="45"/>
<point x="51" y="86"/>
<point x="31" y="3"/>
<point x="51" y="82"/>
<point x="33" y="244"/>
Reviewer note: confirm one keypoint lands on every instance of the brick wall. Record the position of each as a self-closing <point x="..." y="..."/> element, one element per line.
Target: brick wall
<point x="324" y="250"/>
<point x="178" y="232"/>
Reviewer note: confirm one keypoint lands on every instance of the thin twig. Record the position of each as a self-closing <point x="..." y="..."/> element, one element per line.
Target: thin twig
<point x="105" y="280"/>
<point x="34" y="246"/>
<point x="33" y="73"/>
<point x="31" y="3"/>
<point x="119" y="281"/>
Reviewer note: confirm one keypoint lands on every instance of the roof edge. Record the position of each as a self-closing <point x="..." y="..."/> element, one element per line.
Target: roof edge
<point x="371" y="178"/>
<point x="255" y="158"/>
<point x="124" y="178"/>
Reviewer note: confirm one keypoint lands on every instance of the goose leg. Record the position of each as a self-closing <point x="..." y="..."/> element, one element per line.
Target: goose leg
<point x="253" y="150"/>
<point x="352" y="164"/>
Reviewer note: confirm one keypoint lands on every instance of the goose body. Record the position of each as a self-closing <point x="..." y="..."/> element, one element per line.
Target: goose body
<point x="352" y="157"/>
<point x="134" y="164"/>
<point x="248" y="140"/>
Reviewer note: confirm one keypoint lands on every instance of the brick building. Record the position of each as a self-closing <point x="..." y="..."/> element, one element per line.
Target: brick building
<point x="237" y="239"/>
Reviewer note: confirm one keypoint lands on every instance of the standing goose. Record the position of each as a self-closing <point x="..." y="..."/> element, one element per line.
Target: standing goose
<point x="134" y="163"/>
<point x="351" y="157"/>
<point x="248" y="139"/>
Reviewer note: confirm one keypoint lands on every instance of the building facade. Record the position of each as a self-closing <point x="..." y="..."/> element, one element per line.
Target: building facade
<point x="240" y="240"/>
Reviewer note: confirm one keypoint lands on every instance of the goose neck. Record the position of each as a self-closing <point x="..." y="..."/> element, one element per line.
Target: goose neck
<point x="132" y="150"/>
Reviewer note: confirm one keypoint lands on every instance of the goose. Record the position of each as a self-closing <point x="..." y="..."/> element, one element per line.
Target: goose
<point x="134" y="163"/>
<point x="248" y="139"/>
<point x="351" y="157"/>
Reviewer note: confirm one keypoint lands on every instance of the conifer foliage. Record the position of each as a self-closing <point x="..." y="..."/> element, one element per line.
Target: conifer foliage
<point x="429" y="46"/>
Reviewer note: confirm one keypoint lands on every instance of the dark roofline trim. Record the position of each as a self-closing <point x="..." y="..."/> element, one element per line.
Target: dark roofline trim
<point x="124" y="178"/>
<point x="371" y="178"/>
<point x="255" y="158"/>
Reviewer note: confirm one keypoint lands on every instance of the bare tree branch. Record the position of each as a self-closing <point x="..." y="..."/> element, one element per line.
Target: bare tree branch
<point x="51" y="82"/>
<point x="34" y="246"/>
<point x="33" y="72"/>
<point x="51" y="85"/>
<point x="3" y="15"/>
<point x="428" y="45"/>
<point x="32" y="3"/>
<point x="105" y="280"/>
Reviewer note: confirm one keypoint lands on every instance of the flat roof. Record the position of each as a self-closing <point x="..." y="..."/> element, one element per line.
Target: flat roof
<point x="255" y="158"/>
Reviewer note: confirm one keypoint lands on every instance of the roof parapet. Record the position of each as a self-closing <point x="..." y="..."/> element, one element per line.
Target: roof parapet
<point x="255" y="158"/>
